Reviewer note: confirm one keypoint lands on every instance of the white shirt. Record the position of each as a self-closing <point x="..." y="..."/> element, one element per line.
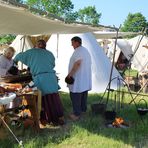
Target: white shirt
<point x="82" y="77"/>
<point x="5" y="65"/>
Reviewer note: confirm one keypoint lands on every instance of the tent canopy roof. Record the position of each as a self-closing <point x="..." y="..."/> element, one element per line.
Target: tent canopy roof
<point x="18" y="20"/>
<point x="111" y="34"/>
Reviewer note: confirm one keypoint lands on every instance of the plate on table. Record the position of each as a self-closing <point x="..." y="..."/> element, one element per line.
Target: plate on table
<point x="7" y="98"/>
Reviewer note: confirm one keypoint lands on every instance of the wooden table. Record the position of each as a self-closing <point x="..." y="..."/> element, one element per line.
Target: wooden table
<point x="33" y="99"/>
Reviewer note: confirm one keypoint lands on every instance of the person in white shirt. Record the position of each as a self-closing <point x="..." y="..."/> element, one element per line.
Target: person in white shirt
<point x="6" y="61"/>
<point x="80" y="70"/>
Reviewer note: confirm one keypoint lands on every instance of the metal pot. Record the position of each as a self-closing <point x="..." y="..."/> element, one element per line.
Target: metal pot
<point x="142" y="111"/>
<point x="98" y="108"/>
<point x="110" y="115"/>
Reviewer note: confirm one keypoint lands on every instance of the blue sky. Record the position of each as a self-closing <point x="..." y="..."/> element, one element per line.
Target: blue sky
<point x="114" y="12"/>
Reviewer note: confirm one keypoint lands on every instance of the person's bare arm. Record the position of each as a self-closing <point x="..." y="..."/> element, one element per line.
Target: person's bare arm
<point x="75" y="67"/>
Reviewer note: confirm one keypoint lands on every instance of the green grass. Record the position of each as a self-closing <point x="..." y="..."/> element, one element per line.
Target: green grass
<point x="89" y="132"/>
<point x="131" y="72"/>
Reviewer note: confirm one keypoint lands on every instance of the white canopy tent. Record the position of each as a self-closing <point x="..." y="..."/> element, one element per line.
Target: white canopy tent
<point x="140" y="59"/>
<point x="21" y="43"/>
<point x="111" y="34"/>
<point x="60" y="45"/>
<point x="18" y="20"/>
<point x="122" y="45"/>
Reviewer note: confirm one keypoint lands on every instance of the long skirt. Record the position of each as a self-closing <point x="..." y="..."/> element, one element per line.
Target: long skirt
<point x="52" y="109"/>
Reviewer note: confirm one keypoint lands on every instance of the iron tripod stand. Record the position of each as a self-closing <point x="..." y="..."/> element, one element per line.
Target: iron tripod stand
<point x="119" y="101"/>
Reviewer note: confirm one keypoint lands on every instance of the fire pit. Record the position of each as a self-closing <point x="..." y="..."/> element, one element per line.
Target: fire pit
<point x="118" y="123"/>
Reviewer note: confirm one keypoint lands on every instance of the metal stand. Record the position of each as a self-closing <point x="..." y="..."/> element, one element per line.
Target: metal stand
<point x="110" y="78"/>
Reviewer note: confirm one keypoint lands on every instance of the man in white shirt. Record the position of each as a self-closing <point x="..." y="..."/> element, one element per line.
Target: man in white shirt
<point x="80" y="70"/>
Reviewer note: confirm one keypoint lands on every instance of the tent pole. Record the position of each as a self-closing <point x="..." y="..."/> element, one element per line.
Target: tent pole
<point x="23" y="48"/>
<point x="57" y="45"/>
<point x="111" y="72"/>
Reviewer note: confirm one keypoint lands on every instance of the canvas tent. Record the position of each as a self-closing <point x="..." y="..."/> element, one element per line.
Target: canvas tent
<point x="140" y="59"/>
<point x="111" y="34"/>
<point x="21" y="43"/>
<point x="18" y="20"/>
<point x="121" y="46"/>
<point x="60" y="45"/>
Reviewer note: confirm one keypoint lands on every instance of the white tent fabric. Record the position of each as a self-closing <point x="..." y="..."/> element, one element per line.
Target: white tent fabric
<point x="20" y="44"/>
<point x="110" y="34"/>
<point x="140" y="59"/>
<point x="16" y="20"/>
<point x="60" y="45"/>
<point x="122" y="45"/>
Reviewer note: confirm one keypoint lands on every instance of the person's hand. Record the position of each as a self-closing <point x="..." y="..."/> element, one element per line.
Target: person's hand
<point x="69" y="79"/>
<point x="23" y="70"/>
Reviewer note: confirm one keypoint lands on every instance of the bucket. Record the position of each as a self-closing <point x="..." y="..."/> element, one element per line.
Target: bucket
<point x="98" y="108"/>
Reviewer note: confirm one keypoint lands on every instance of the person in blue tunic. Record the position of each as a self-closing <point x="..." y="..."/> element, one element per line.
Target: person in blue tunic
<point x="41" y="63"/>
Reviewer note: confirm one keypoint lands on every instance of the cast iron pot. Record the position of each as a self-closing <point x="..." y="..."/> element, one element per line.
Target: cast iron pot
<point x="98" y="108"/>
<point x="110" y="115"/>
<point x="144" y="110"/>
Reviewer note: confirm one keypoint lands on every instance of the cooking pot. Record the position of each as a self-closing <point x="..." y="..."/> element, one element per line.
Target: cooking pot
<point x="110" y="115"/>
<point x="142" y="110"/>
<point x="98" y="108"/>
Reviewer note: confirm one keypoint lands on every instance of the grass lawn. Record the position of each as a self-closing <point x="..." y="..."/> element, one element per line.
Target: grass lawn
<point x="89" y="132"/>
<point x="131" y="72"/>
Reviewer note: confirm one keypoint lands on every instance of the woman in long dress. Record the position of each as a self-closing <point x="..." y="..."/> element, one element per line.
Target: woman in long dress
<point x="41" y="63"/>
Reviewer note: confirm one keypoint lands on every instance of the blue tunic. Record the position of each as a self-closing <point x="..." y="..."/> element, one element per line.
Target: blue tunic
<point x="41" y="63"/>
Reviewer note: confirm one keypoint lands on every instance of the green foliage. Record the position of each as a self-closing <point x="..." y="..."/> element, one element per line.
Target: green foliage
<point x="57" y="7"/>
<point x="131" y="72"/>
<point x="6" y="39"/>
<point x="71" y="17"/>
<point x="89" y="15"/>
<point x="64" y="8"/>
<point x="134" y="23"/>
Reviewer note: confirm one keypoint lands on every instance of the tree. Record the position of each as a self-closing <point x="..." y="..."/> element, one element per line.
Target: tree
<point x="71" y="17"/>
<point x="6" y="39"/>
<point x="89" y="15"/>
<point x="64" y="9"/>
<point x="57" y="7"/>
<point x="134" y="23"/>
